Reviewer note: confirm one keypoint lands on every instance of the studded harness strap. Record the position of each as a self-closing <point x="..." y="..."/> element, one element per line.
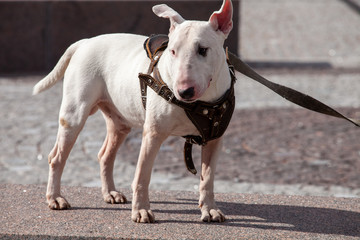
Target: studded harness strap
<point x="210" y="119"/>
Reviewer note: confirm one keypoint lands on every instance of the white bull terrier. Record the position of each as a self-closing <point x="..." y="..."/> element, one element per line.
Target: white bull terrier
<point x="102" y="73"/>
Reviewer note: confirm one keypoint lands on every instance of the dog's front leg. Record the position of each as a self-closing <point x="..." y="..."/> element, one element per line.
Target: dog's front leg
<point x="151" y="142"/>
<point x="209" y="210"/>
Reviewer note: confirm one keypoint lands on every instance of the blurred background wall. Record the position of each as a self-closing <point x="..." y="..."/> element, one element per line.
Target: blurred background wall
<point x="34" y="34"/>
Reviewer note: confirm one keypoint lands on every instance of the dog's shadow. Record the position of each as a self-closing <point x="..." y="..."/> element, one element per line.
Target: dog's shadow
<point x="281" y="217"/>
<point x="264" y="216"/>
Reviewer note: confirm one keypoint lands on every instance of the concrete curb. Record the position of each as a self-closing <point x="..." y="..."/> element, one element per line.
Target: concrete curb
<point x="25" y="215"/>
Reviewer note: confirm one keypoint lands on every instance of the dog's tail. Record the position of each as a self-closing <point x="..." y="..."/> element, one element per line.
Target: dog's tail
<point x="58" y="72"/>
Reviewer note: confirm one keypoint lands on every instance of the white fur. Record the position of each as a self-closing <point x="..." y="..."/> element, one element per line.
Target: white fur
<point x="102" y="73"/>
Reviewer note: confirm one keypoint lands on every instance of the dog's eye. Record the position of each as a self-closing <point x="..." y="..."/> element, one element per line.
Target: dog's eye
<point x="172" y="52"/>
<point x="202" y="51"/>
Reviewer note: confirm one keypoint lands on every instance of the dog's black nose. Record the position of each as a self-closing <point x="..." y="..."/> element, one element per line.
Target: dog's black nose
<point x="187" y="93"/>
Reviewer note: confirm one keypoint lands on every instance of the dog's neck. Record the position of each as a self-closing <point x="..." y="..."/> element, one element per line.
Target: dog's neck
<point x="221" y="80"/>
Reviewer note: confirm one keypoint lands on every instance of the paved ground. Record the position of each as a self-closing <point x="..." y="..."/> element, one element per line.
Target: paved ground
<point x="248" y="216"/>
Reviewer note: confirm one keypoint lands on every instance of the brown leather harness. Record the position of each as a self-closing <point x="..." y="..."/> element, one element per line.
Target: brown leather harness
<point x="210" y="118"/>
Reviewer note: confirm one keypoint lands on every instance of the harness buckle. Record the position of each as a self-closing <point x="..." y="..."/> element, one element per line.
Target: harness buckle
<point x="165" y="92"/>
<point x="232" y="73"/>
<point x="194" y="140"/>
<point x="171" y="97"/>
<point x="159" y="89"/>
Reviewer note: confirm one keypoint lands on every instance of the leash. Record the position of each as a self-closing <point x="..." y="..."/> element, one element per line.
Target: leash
<point x="289" y="94"/>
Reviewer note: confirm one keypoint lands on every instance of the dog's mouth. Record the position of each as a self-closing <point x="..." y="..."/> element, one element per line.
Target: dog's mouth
<point x="188" y="100"/>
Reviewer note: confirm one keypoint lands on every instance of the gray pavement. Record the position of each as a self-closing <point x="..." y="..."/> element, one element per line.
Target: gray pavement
<point x="272" y="32"/>
<point x="25" y="215"/>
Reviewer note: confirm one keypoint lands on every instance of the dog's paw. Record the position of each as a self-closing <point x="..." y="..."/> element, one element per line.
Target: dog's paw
<point x="58" y="203"/>
<point x="114" y="197"/>
<point x="213" y="215"/>
<point x="143" y="216"/>
<point x="210" y="212"/>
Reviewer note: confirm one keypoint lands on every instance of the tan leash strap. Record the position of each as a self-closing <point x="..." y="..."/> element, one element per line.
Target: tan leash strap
<point x="289" y="94"/>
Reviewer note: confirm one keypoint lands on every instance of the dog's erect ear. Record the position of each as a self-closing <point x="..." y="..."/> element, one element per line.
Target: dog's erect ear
<point x="222" y="20"/>
<point x="165" y="11"/>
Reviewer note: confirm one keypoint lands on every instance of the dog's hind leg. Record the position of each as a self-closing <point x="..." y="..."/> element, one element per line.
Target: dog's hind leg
<point x="72" y="119"/>
<point x="116" y="133"/>
<point x="77" y="104"/>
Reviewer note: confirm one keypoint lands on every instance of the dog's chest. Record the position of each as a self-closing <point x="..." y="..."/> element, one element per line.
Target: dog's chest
<point x="166" y="117"/>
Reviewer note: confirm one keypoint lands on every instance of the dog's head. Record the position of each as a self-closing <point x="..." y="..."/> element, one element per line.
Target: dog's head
<point x="194" y="50"/>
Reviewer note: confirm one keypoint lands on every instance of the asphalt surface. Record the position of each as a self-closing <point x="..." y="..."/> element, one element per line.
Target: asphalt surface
<point x="24" y="211"/>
